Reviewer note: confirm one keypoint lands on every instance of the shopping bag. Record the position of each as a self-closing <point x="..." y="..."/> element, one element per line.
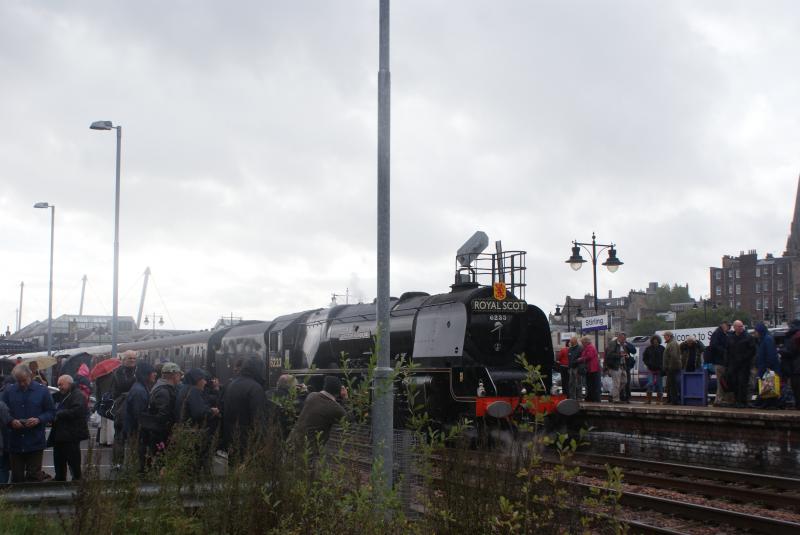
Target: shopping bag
<point x="607" y="383"/>
<point x="769" y="385"/>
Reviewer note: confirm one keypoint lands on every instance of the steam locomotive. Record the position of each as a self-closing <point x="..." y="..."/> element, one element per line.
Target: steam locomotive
<point x="463" y="344"/>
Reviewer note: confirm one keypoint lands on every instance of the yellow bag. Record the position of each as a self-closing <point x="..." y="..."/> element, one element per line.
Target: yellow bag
<point x="769" y="386"/>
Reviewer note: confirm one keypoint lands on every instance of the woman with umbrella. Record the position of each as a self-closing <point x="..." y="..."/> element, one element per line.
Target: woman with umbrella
<point x="102" y="376"/>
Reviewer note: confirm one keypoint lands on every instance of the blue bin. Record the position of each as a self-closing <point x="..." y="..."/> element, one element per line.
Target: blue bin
<point x="694" y="388"/>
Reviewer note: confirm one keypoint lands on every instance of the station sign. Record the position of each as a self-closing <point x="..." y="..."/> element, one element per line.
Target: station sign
<point x="491" y="306"/>
<point x="594" y="323"/>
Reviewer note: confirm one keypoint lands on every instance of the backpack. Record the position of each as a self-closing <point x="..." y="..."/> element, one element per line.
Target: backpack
<point x="118" y="408"/>
<point x="105" y="407"/>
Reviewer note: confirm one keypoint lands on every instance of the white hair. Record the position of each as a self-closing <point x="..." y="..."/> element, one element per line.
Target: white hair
<point x="21" y="370"/>
<point x="67" y="378"/>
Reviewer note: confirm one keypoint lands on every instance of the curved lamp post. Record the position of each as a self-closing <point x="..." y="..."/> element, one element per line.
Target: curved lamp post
<point x="50" y="298"/>
<point x="107" y="125"/>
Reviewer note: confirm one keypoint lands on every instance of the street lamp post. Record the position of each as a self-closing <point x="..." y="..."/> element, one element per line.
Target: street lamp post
<point x="576" y="261"/>
<point x="107" y="125"/>
<point x="705" y="307"/>
<point x="50" y="298"/>
<point x="154" y="315"/>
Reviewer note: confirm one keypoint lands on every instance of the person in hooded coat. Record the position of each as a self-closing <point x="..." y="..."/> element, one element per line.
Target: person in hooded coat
<point x="138" y="397"/>
<point x="193" y="410"/>
<point x="83" y="380"/>
<point x="244" y="408"/>
<point x="766" y="352"/>
<point x="135" y="404"/>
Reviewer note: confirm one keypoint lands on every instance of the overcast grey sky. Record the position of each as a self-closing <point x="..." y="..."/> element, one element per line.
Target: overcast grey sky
<point x="249" y="145"/>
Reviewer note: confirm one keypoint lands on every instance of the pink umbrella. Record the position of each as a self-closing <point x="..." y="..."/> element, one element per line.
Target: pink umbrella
<point x="104" y="368"/>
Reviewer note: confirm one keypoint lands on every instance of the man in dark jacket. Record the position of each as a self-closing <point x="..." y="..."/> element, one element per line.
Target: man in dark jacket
<point x="741" y="358"/>
<point x="31" y="408"/>
<point x="157" y="421"/>
<point x="790" y="362"/>
<point x="5" y="419"/>
<point x="69" y="428"/>
<point x="191" y="406"/>
<point x="619" y="360"/>
<point x="244" y="408"/>
<point x="716" y="354"/>
<point x="320" y="411"/>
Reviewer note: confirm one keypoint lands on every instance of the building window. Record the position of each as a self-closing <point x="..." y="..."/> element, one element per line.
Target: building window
<point x="779" y="269"/>
<point x="730" y="273"/>
<point x="730" y="303"/>
<point x="780" y="302"/>
<point x="758" y="304"/>
<point x="766" y="303"/>
<point x="730" y="289"/>
<point x="718" y="274"/>
<point x="738" y="305"/>
<point x="758" y="272"/>
<point x="780" y="285"/>
<point x="738" y="274"/>
<point x="766" y="270"/>
<point x="738" y="289"/>
<point x="765" y="286"/>
<point x="758" y="287"/>
<point x="719" y="290"/>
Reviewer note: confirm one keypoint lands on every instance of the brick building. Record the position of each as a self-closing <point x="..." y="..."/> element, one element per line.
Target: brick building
<point x="767" y="288"/>
<point x="762" y="287"/>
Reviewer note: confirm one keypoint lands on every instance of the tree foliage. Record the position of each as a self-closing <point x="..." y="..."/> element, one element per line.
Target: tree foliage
<point x="666" y="295"/>
<point x="709" y="317"/>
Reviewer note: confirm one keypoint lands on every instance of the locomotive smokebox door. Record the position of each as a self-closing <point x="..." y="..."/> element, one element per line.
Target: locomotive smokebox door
<point x="440" y="333"/>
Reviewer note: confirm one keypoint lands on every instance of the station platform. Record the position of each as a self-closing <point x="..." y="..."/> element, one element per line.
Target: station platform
<point x="745" y="439"/>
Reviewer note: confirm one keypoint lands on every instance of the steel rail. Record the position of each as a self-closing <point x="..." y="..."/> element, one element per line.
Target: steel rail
<point x="703" y="472"/>
<point x="713" y="515"/>
<point x="714" y="490"/>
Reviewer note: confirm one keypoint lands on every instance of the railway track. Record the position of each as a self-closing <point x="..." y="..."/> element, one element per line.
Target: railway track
<point x="643" y="513"/>
<point x="743" y="487"/>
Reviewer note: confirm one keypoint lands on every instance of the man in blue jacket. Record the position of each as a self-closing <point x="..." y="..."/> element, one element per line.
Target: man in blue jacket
<point x="31" y="409"/>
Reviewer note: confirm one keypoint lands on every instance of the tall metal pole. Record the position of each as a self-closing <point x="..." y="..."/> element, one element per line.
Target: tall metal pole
<point x="141" y="301"/>
<point x="50" y="303"/>
<point x="19" y="318"/>
<point x="569" y="316"/>
<point x="115" y="314"/>
<point x="594" y="275"/>
<point x="382" y="412"/>
<point x="83" y="293"/>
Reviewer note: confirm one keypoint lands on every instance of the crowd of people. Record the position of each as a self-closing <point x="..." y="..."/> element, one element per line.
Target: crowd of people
<point x="740" y="362"/>
<point x="148" y="403"/>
